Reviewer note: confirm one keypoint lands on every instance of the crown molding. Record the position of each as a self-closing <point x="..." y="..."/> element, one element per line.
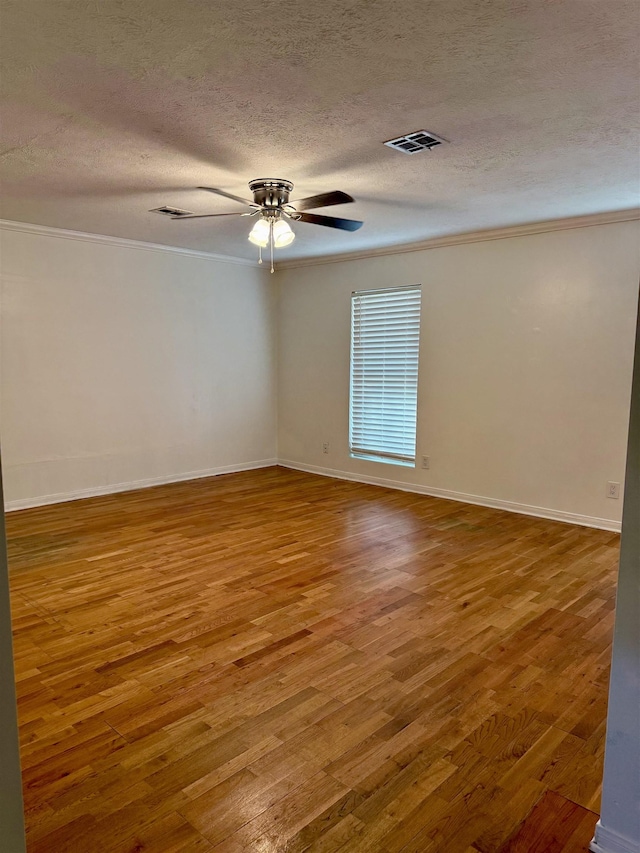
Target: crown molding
<point x="122" y="242"/>
<point x="527" y="230"/>
<point x="544" y="227"/>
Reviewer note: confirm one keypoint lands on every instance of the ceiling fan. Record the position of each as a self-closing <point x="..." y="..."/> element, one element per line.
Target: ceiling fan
<point x="272" y="208"/>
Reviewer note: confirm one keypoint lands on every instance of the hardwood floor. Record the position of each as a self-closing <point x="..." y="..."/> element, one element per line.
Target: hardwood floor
<point x="555" y="824"/>
<point x="278" y="662"/>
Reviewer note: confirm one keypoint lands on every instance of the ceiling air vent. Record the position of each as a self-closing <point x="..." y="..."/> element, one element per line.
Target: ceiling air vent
<point x="411" y="143"/>
<point x="171" y="211"/>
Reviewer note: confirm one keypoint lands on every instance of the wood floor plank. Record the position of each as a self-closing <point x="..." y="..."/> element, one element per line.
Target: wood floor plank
<point x="556" y="825"/>
<point x="277" y="661"/>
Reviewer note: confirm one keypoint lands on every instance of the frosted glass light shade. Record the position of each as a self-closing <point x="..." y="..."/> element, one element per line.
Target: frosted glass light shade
<point x="259" y="234"/>
<point x="282" y="234"/>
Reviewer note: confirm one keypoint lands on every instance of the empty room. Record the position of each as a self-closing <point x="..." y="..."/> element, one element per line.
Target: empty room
<point x="320" y="426"/>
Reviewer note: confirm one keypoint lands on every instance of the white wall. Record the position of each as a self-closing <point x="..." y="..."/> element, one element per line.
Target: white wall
<point x="123" y="365"/>
<point x="525" y="368"/>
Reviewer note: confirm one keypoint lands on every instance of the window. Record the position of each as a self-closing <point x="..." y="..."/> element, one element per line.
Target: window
<point x="385" y="338"/>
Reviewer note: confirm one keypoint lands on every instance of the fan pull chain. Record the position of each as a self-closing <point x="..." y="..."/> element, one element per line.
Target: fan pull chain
<point x="271" y="242"/>
<point x="259" y="254"/>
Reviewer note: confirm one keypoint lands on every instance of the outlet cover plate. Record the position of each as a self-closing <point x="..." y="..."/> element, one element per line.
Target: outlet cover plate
<point x="613" y="490"/>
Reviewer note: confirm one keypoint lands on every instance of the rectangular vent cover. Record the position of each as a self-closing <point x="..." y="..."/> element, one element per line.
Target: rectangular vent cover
<point x="411" y="143"/>
<point x="170" y="211"/>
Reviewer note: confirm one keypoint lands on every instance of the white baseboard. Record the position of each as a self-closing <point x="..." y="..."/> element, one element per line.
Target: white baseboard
<point x="608" y="841"/>
<point x="114" y="488"/>
<point x="509" y="506"/>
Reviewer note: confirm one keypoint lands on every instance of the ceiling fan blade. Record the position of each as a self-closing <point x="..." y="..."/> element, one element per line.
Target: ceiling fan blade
<point x="322" y="200"/>
<point x="330" y="221"/>
<point x="226" y="194"/>
<point x="205" y="215"/>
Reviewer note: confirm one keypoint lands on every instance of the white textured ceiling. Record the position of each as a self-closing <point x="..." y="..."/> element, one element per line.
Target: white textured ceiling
<point x="113" y="107"/>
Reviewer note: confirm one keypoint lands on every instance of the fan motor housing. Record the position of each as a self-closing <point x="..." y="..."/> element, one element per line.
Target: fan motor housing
<point x="270" y="192"/>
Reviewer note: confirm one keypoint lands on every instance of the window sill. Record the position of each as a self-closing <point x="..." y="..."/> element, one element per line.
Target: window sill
<point x="371" y="457"/>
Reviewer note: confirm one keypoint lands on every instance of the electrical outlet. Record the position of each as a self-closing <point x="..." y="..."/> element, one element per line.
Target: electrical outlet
<point x="425" y="462"/>
<point x="613" y="490"/>
<point x="325" y="446"/>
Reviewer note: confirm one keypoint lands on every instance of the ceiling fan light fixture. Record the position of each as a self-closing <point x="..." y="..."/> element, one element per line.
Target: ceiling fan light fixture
<point x="272" y="209"/>
<point x="259" y="234"/>
<point x="283" y="234"/>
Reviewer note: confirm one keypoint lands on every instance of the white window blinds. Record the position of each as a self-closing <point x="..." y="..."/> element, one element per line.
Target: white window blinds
<point x="385" y="339"/>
